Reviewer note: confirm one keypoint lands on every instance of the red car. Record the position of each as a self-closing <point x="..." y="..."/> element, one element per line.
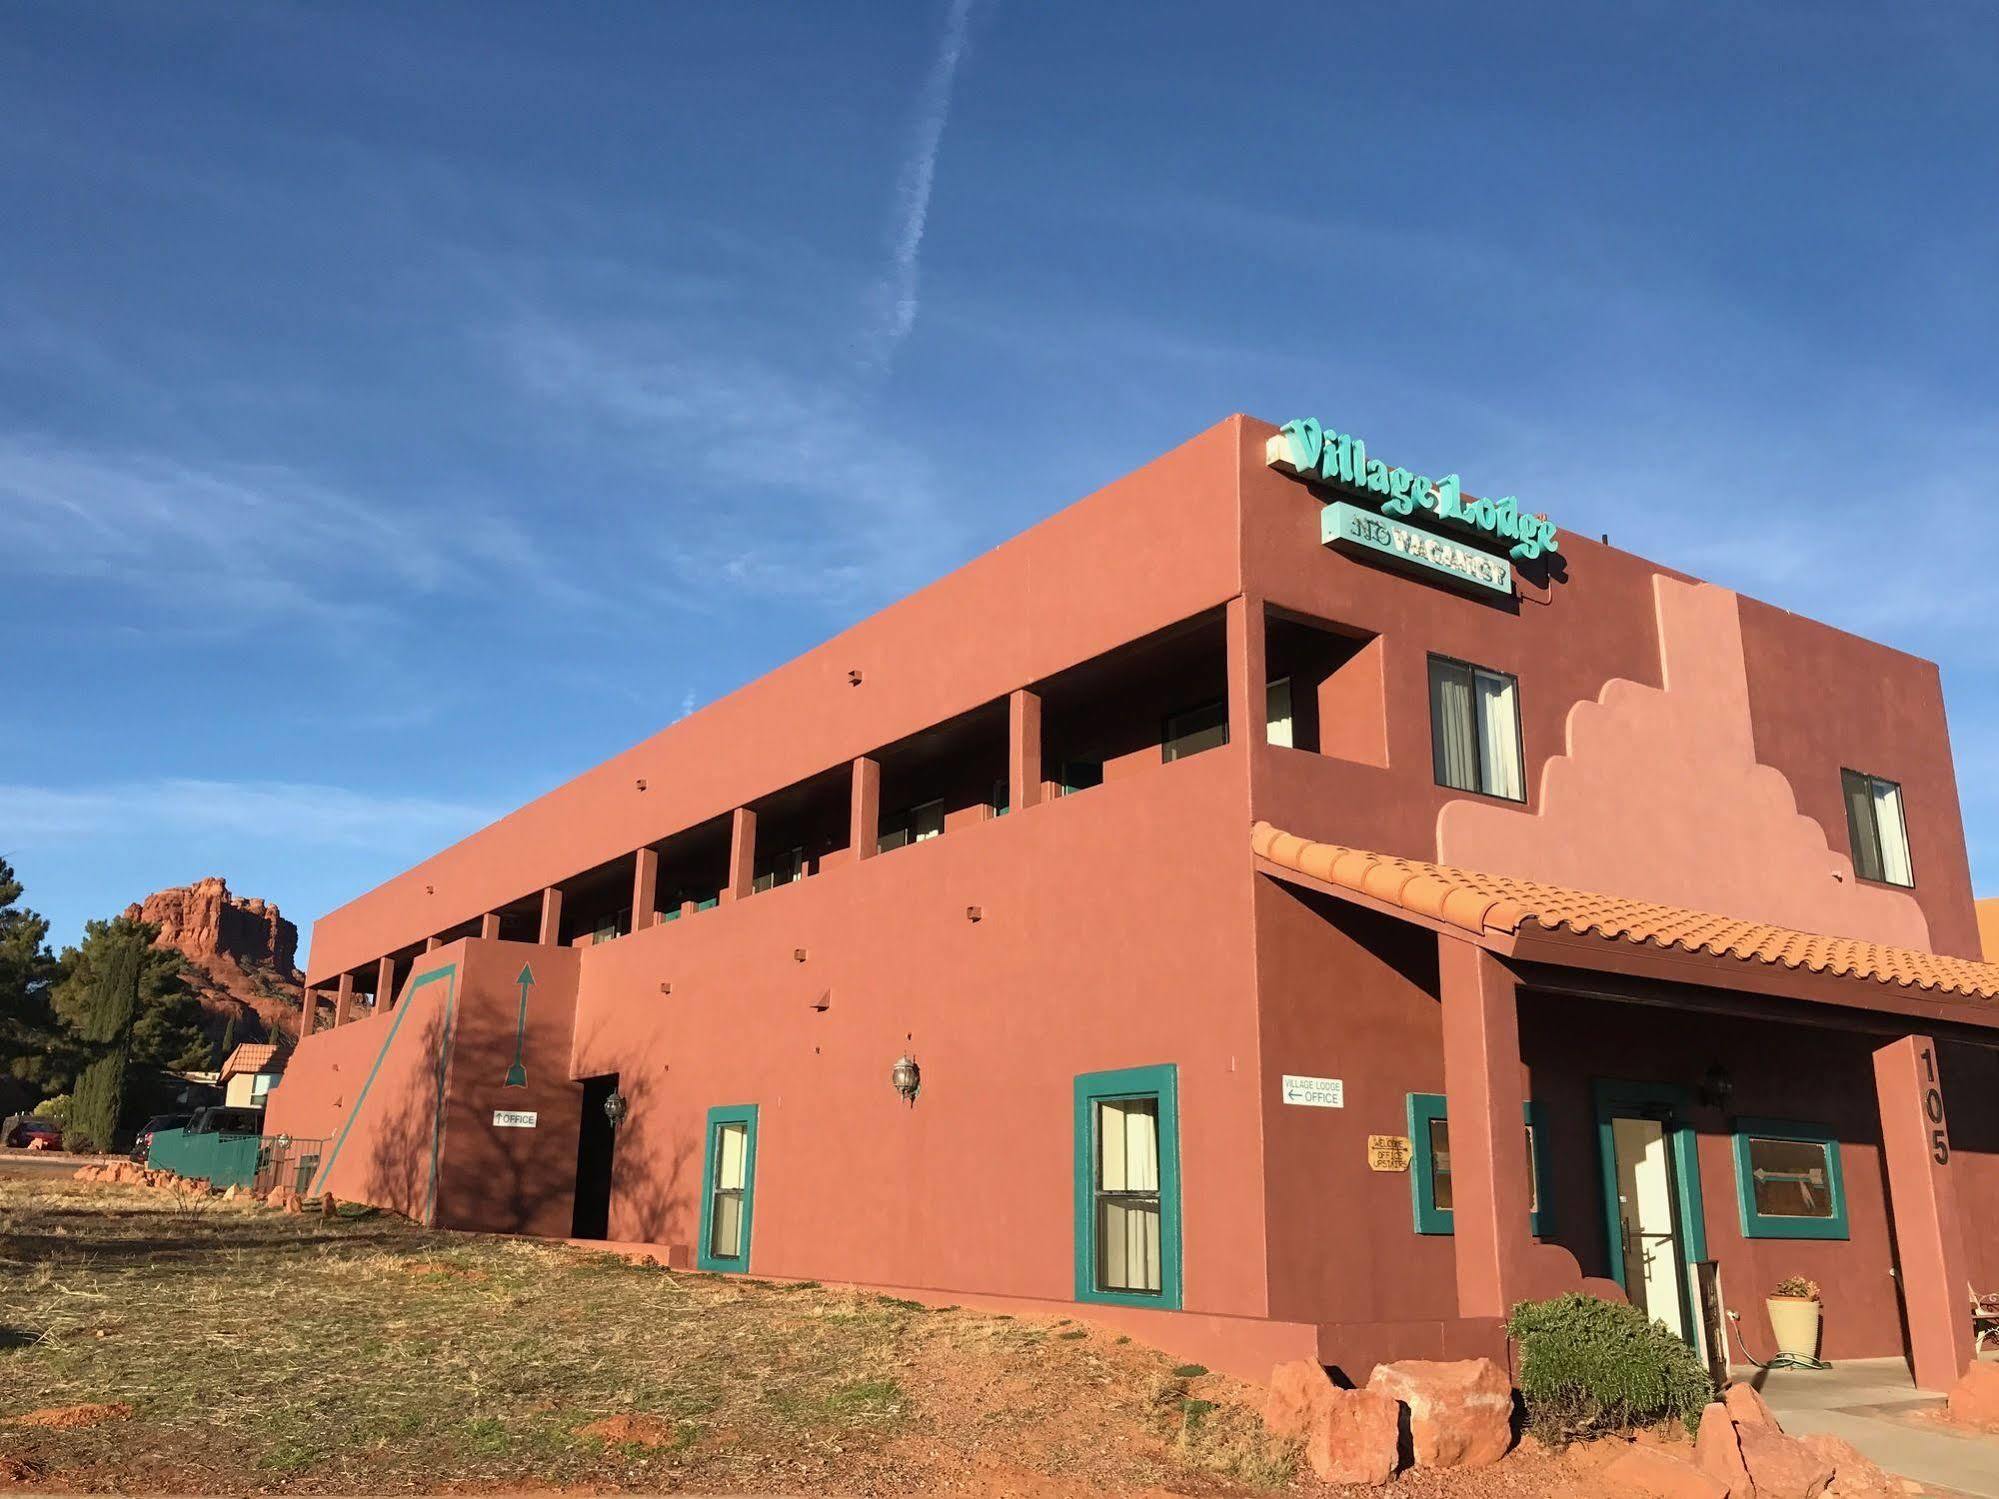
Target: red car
<point x="23" y="1130"/>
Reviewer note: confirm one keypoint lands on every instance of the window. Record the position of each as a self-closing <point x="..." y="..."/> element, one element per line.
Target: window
<point x="1430" y="1165"/>
<point x="1788" y="1182"/>
<point x="1195" y="729"/>
<point x="611" y="926"/>
<point x="728" y="1188"/>
<point x="1002" y="798"/>
<point x="1277" y="712"/>
<point x="1475" y="729"/>
<point x="787" y="870"/>
<point x="1128" y="1187"/>
<point x="1072" y="776"/>
<point x="917" y="825"/>
<point x="1874" y="823"/>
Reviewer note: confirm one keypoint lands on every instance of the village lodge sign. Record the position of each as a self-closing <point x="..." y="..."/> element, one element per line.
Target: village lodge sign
<point x="1311" y="451"/>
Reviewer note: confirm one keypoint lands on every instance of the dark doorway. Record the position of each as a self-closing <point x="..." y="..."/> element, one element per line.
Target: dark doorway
<point x="594" y="1144"/>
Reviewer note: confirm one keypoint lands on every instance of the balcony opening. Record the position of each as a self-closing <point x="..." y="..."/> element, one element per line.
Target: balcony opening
<point x="520" y="920"/>
<point x="944" y="778"/>
<point x="597" y="904"/>
<point x="1325" y="691"/>
<point x="803" y="829"/>
<point x="693" y="868"/>
<point x="1155" y="701"/>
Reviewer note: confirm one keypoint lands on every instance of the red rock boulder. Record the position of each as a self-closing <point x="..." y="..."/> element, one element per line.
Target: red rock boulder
<point x="1719" y="1454"/>
<point x="1854" y="1474"/>
<point x="1460" y="1414"/>
<point x="1781" y="1467"/>
<point x="1974" y="1400"/>
<point x="1350" y="1436"/>
<point x="1746" y="1407"/>
<point x="1648" y="1469"/>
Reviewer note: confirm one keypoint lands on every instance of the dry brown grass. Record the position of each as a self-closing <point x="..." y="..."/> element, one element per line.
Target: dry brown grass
<point x="260" y="1351"/>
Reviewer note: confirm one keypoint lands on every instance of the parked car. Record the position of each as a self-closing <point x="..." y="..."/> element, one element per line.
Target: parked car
<point x="23" y="1130"/>
<point x="226" y="1121"/>
<point x="152" y="1127"/>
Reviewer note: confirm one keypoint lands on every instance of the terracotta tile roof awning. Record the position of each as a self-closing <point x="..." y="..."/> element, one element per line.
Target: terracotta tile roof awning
<point x="251" y="1057"/>
<point x="1489" y="904"/>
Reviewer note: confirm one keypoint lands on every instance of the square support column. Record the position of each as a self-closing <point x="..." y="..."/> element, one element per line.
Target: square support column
<point x="742" y="854"/>
<point x="864" y="809"/>
<point x="1929" y="1234"/>
<point x="308" y="1012"/>
<point x="489" y="926"/>
<point x="551" y="917"/>
<point x="645" y="888"/>
<point x="432" y="944"/>
<point x="1249" y="701"/>
<point x="385" y="986"/>
<point x="343" y="1000"/>
<point x="1490" y="1191"/>
<point x="1023" y="756"/>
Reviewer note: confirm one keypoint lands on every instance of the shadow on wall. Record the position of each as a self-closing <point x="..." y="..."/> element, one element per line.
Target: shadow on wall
<point x="655" y="1164"/>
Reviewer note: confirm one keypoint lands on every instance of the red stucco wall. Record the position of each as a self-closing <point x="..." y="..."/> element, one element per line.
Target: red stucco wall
<point x="1115" y="924"/>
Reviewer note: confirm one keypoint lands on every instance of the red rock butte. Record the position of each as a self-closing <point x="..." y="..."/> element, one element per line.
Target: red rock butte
<point x="204" y="920"/>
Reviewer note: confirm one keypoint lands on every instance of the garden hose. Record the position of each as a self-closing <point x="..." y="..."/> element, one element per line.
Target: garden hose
<point x="1779" y="1360"/>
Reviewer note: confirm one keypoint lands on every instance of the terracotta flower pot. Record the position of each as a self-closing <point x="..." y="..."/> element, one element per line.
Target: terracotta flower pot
<point x="1795" y="1321"/>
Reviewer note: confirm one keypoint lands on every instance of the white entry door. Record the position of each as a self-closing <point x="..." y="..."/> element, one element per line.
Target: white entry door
<point x="1654" y="1270"/>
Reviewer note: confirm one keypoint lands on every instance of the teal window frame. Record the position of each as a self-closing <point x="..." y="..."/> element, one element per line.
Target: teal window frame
<point x="1425" y="1109"/>
<point x="1160" y="1083"/>
<point x="1757" y="1225"/>
<point x="738" y="1113"/>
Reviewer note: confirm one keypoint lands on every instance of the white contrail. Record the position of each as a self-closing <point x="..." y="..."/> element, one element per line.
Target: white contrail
<point x="919" y="171"/>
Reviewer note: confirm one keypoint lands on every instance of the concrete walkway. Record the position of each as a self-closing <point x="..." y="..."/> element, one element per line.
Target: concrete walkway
<point x="1874" y="1404"/>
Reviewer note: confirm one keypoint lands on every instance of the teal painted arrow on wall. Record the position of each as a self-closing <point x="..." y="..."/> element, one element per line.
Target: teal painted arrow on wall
<point x="517" y="1075"/>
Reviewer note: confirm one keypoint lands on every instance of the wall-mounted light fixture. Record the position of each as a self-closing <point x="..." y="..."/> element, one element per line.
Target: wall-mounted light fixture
<point x="798" y="955"/>
<point x="615" y="1108"/>
<point x="665" y="987"/>
<point x="640" y="783"/>
<point x="1717" y="1087"/>
<point x="906" y="1077"/>
<point x="854" y="678"/>
<point x="975" y="913"/>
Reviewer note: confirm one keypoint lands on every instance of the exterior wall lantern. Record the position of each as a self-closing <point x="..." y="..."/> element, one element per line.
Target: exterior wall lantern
<point x="615" y="1109"/>
<point x="906" y="1077"/>
<point x="1717" y="1087"/>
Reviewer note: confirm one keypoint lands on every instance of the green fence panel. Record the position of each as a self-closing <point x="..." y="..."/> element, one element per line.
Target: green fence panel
<point x="222" y="1160"/>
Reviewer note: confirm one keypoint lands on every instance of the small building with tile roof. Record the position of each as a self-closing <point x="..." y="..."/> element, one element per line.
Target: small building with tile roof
<point x="1282" y="905"/>
<point x="249" y="1072"/>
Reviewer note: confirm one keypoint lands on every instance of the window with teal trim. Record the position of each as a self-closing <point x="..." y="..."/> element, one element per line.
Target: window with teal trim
<point x="1128" y="1187"/>
<point x="1430" y="1165"/>
<point x="1788" y="1182"/>
<point x="728" y="1188"/>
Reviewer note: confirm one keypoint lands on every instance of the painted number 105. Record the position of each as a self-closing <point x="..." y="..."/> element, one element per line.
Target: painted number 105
<point x="1933" y="1110"/>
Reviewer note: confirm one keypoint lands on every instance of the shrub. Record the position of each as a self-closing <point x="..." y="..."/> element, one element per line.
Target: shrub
<point x="1589" y="1367"/>
<point x="1798" y="1286"/>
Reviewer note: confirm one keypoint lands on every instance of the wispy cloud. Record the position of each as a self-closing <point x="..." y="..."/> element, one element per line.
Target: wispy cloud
<point x="224" y="541"/>
<point x="284" y="812"/>
<point x="917" y="179"/>
<point x="772" y="482"/>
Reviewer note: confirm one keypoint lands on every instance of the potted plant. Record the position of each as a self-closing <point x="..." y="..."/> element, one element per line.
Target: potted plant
<point x="1794" y="1316"/>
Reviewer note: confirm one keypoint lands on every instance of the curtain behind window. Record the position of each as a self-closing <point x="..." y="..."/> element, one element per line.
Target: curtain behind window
<point x="1453" y="740"/>
<point x="1892" y="834"/>
<point x="1499" y="737"/>
<point x="1860" y="825"/>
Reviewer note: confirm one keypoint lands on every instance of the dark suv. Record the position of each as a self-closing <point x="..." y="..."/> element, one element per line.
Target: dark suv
<point x="152" y="1127"/>
<point x="226" y="1121"/>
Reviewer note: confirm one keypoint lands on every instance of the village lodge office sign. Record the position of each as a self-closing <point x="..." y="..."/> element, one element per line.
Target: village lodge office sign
<point x="1310" y="451"/>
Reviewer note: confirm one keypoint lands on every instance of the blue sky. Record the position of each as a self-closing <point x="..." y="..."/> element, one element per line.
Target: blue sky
<point x="404" y="407"/>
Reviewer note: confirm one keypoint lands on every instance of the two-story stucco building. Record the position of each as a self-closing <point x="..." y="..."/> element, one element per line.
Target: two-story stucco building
<point x="1282" y="904"/>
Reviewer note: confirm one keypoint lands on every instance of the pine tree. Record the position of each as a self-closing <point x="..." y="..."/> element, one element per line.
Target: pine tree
<point x="170" y="1032"/>
<point x="107" y="1028"/>
<point x="227" y="1044"/>
<point x="27" y="970"/>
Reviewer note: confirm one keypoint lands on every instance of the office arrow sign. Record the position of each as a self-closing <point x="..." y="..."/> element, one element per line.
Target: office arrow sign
<point x="517" y="1075"/>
